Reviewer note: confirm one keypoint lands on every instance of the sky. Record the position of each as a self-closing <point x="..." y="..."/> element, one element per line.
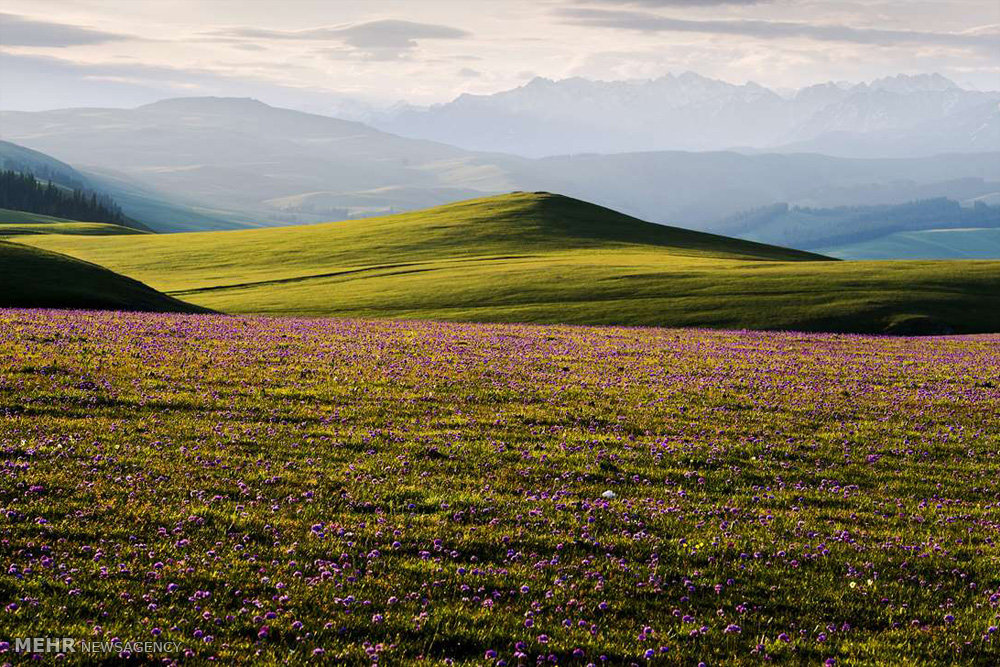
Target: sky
<point x="333" y="56"/>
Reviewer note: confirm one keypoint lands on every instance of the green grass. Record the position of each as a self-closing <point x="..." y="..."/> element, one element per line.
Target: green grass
<point x="282" y="491"/>
<point x="19" y="223"/>
<point x="36" y="278"/>
<point x="67" y="228"/>
<point x="547" y="259"/>
<point x="9" y="216"/>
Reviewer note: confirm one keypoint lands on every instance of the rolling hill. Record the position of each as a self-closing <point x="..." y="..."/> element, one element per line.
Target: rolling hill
<point x="9" y="217"/>
<point x="16" y="223"/>
<point x="35" y="278"/>
<point x="538" y="257"/>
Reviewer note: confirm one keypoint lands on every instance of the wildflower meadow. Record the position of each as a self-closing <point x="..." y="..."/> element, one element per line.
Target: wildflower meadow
<point x="332" y="491"/>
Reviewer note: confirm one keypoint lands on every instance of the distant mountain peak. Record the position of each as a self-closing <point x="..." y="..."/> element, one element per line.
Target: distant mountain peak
<point x="207" y="104"/>
<point x="688" y="75"/>
<point x="914" y="83"/>
<point x="690" y="111"/>
<point x="539" y="82"/>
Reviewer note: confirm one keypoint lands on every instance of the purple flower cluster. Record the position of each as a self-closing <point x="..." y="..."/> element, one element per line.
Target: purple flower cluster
<point x="348" y="491"/>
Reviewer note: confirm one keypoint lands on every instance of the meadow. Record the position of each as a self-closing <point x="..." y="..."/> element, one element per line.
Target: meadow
<point x="542" y="258"/>
<point x="341" y="491"/>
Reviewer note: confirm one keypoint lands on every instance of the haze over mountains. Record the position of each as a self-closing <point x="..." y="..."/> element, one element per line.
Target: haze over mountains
<point x="239" y="160"/>
<point x="212" y="163"/>
<point x="901" y="116"/>
<point x="230" y="162"/>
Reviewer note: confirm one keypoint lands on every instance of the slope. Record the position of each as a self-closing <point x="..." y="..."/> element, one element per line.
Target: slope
<point x="501" y="226"/>
<point x="35" y="278"/>
<point x="546" y="258"/>
<point x="17" y="223"/>
<point x="9" y="217"/>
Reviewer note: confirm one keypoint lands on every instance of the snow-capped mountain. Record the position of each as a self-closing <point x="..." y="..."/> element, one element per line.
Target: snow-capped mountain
<point x="692" y="112"/>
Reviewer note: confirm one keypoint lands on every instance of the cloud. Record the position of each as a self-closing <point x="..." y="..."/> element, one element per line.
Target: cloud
<point x="20" y="31"/>
<point x="651" y="23"/>
<point x="677" y="3"/>
<point x="35" y="82"/>
<point x="387" y="39"/>
<point x="131" y="70"/>
<point x="396" y="34"/>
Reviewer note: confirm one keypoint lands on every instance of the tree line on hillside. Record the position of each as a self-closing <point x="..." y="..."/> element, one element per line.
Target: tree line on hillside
<point x="42" y="171"/>
<point x="24" y="192"/>
<point x="805" y="227"/>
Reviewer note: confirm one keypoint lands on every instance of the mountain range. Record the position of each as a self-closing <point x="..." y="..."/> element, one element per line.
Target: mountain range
<point x="224" y="163"/>
<point x="900" y="116"/>
<point x="239" y="162"/>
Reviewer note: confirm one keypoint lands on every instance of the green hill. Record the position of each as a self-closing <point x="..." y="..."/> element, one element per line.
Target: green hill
<point x="35" y="278"/>
<point x="538" y="257"/>
<point x="519" y="224"/>
<point x="8" y="217"/>
<point x="71" y="228"/>
<point x="18" y="223"/>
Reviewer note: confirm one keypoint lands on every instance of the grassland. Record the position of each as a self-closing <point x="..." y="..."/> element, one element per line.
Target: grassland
<point x="8" y="216"/>
<point x="31" y="277"/>
<point x="19" y="223"/>
<point x="66" y="228"/>
<point x="535" y="257"/>
<point x="287" y="491"/>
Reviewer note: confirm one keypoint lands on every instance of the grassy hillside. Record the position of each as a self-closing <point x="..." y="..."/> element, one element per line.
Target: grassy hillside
<point x="7" y="216"/>
<point x="18" y="223"/>
<point x="545" y="258"/>
<point x="70" y="228"/>
<point x="519" y="224"/>
<point x="35" y="278"/>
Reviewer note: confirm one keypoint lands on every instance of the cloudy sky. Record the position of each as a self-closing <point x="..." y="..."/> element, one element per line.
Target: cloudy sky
<point x="319" y="55"/>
